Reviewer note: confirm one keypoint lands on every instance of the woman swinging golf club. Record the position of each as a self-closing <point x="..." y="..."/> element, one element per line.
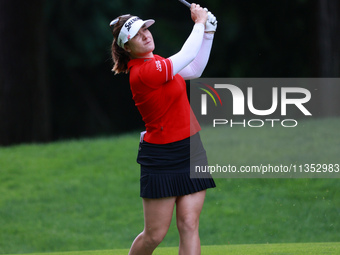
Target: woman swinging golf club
<point x="159" y="92"/>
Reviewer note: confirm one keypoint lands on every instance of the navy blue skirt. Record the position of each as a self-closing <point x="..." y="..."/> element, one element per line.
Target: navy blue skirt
<point x="165" y="168"/>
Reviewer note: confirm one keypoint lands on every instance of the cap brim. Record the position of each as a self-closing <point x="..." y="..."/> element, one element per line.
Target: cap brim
<point x="130" y="30"/>
<point x="149" y="22"/>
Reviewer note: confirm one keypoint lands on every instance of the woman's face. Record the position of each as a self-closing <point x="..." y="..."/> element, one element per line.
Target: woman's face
<point x="141" y="45"/>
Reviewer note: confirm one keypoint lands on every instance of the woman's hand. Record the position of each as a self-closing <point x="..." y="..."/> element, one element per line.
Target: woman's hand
<point x="211" y="25"/>
<point x="198" y="14"/>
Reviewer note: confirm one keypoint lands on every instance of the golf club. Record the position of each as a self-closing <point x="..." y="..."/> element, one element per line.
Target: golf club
<point x="189" y="5"/>
<point x="185" y="3"/>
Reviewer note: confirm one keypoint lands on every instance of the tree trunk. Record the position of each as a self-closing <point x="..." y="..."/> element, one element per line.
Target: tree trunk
<point x="24" y="102"/>
<point x="329" y="38"/>
<point x="329" y="55"/>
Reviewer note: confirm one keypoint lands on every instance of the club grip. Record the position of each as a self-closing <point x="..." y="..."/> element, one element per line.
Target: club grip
<point x="185" y="3"/>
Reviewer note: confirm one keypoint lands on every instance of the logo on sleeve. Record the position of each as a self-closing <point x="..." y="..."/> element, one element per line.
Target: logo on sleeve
<point x="158" y="66"/>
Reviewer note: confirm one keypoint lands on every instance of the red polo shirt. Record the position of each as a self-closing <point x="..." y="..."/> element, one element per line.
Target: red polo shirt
<point x="162" y="101"/>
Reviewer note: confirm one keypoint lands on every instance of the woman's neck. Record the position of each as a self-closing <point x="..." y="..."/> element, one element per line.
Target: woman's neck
<point x="148" y="55"/>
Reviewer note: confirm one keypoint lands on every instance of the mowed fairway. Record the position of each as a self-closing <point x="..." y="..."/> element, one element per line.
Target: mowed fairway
<point x="83" y="195"/>
<point x="254" y="249"/>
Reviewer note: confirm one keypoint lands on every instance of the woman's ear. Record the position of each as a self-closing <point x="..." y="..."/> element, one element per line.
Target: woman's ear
<point x="127" y="48"/>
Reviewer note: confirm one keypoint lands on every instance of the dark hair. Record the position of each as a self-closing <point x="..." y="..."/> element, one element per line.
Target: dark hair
<point x="120" y="57"/>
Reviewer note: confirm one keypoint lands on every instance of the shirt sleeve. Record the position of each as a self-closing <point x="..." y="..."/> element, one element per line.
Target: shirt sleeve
<point x="156" y="72"/>
<point x="189" y="50"/>
<point x="195" y="68"/>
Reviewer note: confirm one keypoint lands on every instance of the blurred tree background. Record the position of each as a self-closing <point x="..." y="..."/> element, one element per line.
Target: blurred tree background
<point x="55" y="65"/>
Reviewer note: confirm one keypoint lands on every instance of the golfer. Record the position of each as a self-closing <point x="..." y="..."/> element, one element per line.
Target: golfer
<point x="159" y="91"/>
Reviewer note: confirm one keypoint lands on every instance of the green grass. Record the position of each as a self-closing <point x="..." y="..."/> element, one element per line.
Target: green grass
<point x="254" y="249"/>
<point x="84" y="195"/>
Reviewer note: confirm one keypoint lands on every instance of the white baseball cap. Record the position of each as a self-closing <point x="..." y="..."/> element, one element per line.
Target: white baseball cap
<point x="130" y="28"/>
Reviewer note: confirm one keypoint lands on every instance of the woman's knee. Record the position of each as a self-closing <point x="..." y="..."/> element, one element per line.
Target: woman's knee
<point x="187" y="224"/>
<point x="153" y="238"/>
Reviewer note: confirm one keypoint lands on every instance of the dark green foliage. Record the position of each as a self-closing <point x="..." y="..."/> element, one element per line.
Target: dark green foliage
<point x="254" y="39"/>
<point x="81" y="97"/>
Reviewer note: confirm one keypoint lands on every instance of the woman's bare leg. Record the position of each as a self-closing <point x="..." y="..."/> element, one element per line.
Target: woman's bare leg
<point x="188" y="210"/>
<point x="157" y="219"/>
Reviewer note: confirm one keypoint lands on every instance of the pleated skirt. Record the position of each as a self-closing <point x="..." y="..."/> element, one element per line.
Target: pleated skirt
<point x="165" y="168"/>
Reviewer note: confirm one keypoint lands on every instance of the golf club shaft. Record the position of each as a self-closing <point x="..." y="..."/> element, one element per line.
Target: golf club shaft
<point x="185" y="3"/>
<point x="189" y="6"/>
